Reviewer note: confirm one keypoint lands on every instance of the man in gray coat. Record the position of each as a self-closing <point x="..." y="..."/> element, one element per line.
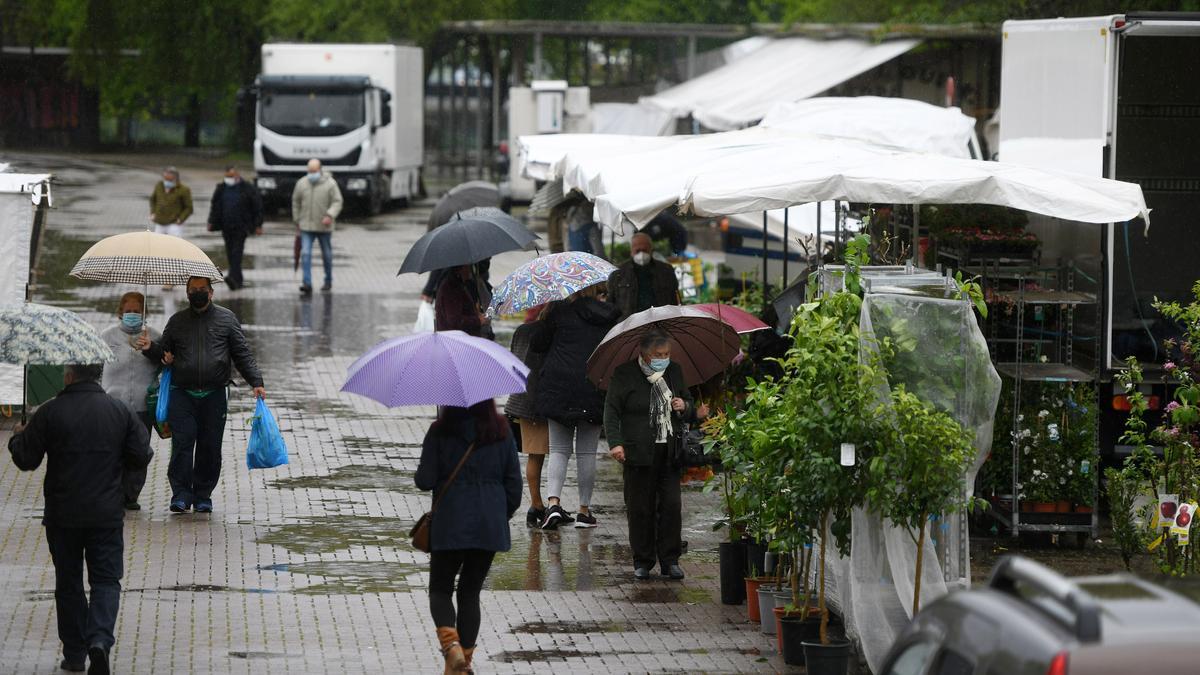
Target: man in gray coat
<point x="316" y="203"/>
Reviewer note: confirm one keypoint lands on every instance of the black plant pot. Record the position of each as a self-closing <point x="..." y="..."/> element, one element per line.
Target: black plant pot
<point x="796" y="632"/>
<point x="830" y="659"/>
<point x="733" y="572"/>
<point x="756" y="554"/>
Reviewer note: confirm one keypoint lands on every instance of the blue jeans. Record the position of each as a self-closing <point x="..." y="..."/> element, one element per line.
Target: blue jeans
<point x="84" y="621"/>
<point x="306" y="245"/>
<point x="197" y="425"/>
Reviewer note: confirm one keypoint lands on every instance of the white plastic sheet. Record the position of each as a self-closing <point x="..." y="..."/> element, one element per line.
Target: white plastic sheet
<point x="788" y="69"/>
<point x="631" y="119"/>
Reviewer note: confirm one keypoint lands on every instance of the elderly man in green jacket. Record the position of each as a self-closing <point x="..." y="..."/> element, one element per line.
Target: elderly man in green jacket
<point x="316" y="203"/>
<point x="170" y="203"/>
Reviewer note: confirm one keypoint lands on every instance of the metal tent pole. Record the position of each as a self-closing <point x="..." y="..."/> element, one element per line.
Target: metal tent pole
<point x="765" y="260"/>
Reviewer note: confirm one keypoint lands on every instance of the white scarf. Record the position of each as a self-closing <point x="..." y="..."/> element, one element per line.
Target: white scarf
<point x="660" y="402"/>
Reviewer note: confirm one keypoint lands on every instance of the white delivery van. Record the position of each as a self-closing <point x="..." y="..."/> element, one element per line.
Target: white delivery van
<point x="357" y="108"/>
<point x="1119" y="97"/>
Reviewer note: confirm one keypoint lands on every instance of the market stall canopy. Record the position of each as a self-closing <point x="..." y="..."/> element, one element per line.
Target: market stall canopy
<point x="898" y="123"/>
<point x="788" y="69"/>
<point x="762" y="169"/>
<point x="539" y="155"/>
<point x="631" y="119"/>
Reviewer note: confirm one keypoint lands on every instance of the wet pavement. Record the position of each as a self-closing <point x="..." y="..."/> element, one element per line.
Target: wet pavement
<point x="307" y="567"/>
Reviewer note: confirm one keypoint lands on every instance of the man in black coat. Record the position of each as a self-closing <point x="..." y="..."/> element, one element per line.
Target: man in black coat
<point x="199" y="342"/>
<point x="236" y="211"/>
<point x="90" y="440"/>
<point x="642" y="282"/>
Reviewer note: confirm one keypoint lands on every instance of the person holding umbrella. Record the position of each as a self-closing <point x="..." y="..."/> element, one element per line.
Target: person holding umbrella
<point x="468" y="459"/>
<point x="646" y="405"/>
<point x="129" y="375"/>
<point x="574" y="406"/>
<point x="456" y="306"/>
<point x="535" y="434"/>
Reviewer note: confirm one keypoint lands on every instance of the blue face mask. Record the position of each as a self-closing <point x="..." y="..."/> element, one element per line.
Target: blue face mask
<point x="132" y="321"/>
<point x="168" y="184"/>
<point x="314" y="176"/>
<point x="659" y="365"/>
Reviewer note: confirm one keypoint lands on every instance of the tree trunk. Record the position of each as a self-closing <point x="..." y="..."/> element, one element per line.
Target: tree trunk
<point x="807" y="571"/>
<point x="920" y="558"/>
<point x="821" y="588"/>
<point x="191" y="124"/>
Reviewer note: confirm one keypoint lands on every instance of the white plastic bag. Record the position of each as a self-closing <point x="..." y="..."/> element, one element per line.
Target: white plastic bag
<point x="425" y="318"/>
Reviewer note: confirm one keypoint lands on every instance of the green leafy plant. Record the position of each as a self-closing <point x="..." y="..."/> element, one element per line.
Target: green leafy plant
<point x="1123" y="486"/>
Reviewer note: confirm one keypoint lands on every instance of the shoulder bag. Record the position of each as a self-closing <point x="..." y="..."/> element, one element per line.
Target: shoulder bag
<point x="420" y="532"/>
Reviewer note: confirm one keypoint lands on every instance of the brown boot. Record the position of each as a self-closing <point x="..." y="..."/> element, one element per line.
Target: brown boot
<point x="456" y="662"/>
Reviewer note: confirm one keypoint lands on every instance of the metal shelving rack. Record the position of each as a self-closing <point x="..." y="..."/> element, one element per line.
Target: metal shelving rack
<point x="1063" y="370"/>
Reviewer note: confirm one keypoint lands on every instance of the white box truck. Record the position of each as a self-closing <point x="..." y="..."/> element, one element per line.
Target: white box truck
<point x="1115" y="96"/>
<point x="357" y="108"/>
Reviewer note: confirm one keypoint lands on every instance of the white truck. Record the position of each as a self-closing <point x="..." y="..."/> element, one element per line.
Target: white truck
<point x="356" y="107"/>
<point x="1116" y="96"/>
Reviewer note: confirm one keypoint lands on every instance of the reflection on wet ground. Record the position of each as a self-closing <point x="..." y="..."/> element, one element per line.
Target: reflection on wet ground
<point x="326" y="534"/>
<point x="354" y="478"/>
<point x="355" y="577"/>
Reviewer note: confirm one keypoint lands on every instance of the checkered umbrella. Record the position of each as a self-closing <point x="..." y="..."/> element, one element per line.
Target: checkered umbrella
<point x="145" y="258"/>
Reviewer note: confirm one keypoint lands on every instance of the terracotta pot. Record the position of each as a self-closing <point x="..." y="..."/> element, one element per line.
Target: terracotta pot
<point x="1038" y="507"/>
<point x="1062" y="506"/>
<point x="752" y="584"/>
<point x="1080" y="508"/>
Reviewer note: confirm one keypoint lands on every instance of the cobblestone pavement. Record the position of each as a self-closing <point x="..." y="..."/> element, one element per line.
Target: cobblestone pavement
<point x="306" y="568"/>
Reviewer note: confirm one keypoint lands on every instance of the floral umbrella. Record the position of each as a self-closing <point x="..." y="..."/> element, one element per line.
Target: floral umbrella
<point x="551" y="277"/>
<point x="33" y="334"/>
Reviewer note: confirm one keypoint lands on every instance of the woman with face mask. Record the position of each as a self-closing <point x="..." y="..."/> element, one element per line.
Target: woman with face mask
<point x="644" y="410"/>
<point x="129" y="374"/>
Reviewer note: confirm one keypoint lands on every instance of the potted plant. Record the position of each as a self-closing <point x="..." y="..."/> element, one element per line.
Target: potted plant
<point x="918" y="470"/>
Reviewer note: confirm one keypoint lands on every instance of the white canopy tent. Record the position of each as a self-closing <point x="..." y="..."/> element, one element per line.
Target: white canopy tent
<point x="632" y="119"/>
<point x="788" y="69"/>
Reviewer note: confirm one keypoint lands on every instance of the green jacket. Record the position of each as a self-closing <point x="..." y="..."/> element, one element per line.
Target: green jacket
<point x="627" y="411"/>
<point x="170" y="207"/>
<point x="311" y="202"/>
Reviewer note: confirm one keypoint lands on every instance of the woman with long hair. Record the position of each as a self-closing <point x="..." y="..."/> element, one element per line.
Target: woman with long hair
<point x="470" y="524"/>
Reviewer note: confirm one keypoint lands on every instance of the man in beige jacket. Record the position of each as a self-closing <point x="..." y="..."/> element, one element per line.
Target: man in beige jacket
<point x="316" y="203"/>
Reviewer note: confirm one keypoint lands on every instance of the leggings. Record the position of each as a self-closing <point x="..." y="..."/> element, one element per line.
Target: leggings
<point x="471" y="567"/>
<point x="580" y="438"/>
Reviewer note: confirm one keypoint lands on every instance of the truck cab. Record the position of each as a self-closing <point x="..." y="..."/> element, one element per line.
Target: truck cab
<point x="357" y="108"/>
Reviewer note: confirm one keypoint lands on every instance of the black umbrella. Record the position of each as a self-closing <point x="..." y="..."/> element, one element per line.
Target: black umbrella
<point x="495" y="216"/>
<point x="462" y="242"/>
<point x="461" y="197"/>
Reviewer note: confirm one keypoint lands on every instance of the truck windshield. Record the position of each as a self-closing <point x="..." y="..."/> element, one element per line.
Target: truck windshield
<point x="311" y="113"/>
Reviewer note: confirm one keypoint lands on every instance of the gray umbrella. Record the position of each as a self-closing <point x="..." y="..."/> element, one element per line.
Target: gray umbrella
<point x="461" y="197"/>
<point x="462" y="242"/>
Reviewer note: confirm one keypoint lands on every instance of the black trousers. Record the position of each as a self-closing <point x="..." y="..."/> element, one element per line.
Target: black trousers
<point x="197" y="425"/>
<point x="133" y="481"/>
<point x="235" y="245"/>
<point x="83" y="622"/>
<point x="471" y="567"/>
<point x="654" y="508"/>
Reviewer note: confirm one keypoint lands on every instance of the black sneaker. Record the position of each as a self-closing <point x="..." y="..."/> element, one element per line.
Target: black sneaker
<point x="306" y="290"/>
<point x="204" y="506"/>
<point x="73" y="666"/>
<point x="98" y="660"/>
<point x="533" y="517"/>
<point x="555" y="516"/>
<point x="179" y="506"/>
<point x="585" y="520"/>
<point x="132" y="505"/>
<point x="326" y="288"/>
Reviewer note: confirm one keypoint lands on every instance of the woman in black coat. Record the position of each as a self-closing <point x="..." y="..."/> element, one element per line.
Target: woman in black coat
<point x="565" y="396"/>
<point x="644" y="411"/>
<point x="470" y="524"/>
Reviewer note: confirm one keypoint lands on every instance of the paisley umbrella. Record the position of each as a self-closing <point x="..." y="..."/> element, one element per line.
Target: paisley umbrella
<point x="551" y="277"/>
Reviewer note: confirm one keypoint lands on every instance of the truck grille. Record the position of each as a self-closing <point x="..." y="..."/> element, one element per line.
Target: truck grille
<point x="349" y="159"/>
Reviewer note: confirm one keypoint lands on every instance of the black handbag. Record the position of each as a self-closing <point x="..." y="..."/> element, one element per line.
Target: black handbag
<point x="689" y="448"/>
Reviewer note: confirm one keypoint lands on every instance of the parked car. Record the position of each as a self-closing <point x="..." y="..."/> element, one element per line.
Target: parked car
<point x="1030" y="620"/>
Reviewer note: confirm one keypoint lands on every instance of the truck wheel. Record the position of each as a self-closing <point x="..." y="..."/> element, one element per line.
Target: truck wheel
<point x="375" y="202"/>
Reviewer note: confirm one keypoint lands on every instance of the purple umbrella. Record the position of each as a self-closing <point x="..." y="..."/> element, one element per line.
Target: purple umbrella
<point x="444" y="368"/>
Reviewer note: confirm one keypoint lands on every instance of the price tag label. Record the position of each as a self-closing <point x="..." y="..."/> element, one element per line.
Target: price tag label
<point x="847" y="454"/>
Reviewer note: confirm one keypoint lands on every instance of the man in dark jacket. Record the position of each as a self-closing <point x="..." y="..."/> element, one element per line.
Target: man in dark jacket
<point x="90" y="440"/>
<point x="643" y="282"/>
<point x="199" y="343"/>
<point x="236" y="211"/>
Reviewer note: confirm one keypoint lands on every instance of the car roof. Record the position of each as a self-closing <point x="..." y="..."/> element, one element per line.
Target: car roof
<point x="1132" y="608"/>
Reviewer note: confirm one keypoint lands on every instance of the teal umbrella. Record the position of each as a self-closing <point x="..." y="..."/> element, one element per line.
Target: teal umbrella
<point x="33" y="334"/>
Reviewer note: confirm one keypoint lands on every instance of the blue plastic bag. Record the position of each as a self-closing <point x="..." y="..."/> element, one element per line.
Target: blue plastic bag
<point x="266" y="449"/>
<point x="164" y="396"/>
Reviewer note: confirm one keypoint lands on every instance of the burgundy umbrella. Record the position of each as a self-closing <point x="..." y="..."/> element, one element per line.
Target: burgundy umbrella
<point x="741" y="320"/>
<point x="702" y="345"/>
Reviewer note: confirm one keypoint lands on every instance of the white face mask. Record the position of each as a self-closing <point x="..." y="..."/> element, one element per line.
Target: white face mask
<point x="641" y="258"/>
<point x="230" y="181"/>
<point x="314" y="176"/>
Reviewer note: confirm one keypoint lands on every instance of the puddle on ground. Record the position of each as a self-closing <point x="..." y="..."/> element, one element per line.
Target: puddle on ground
<point x="326" y="534"/>
<point x="353" y="478"/>
<point x="200" y="588"/>
<point x="544" y="655"/>
<point x="565" y="560"/>
<point x="647" y="594"/>
<point x="586" y="627"/>
<point x="356" y="577"/>
<point x="38" y="596"/>
<point x="259" y="655"/>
